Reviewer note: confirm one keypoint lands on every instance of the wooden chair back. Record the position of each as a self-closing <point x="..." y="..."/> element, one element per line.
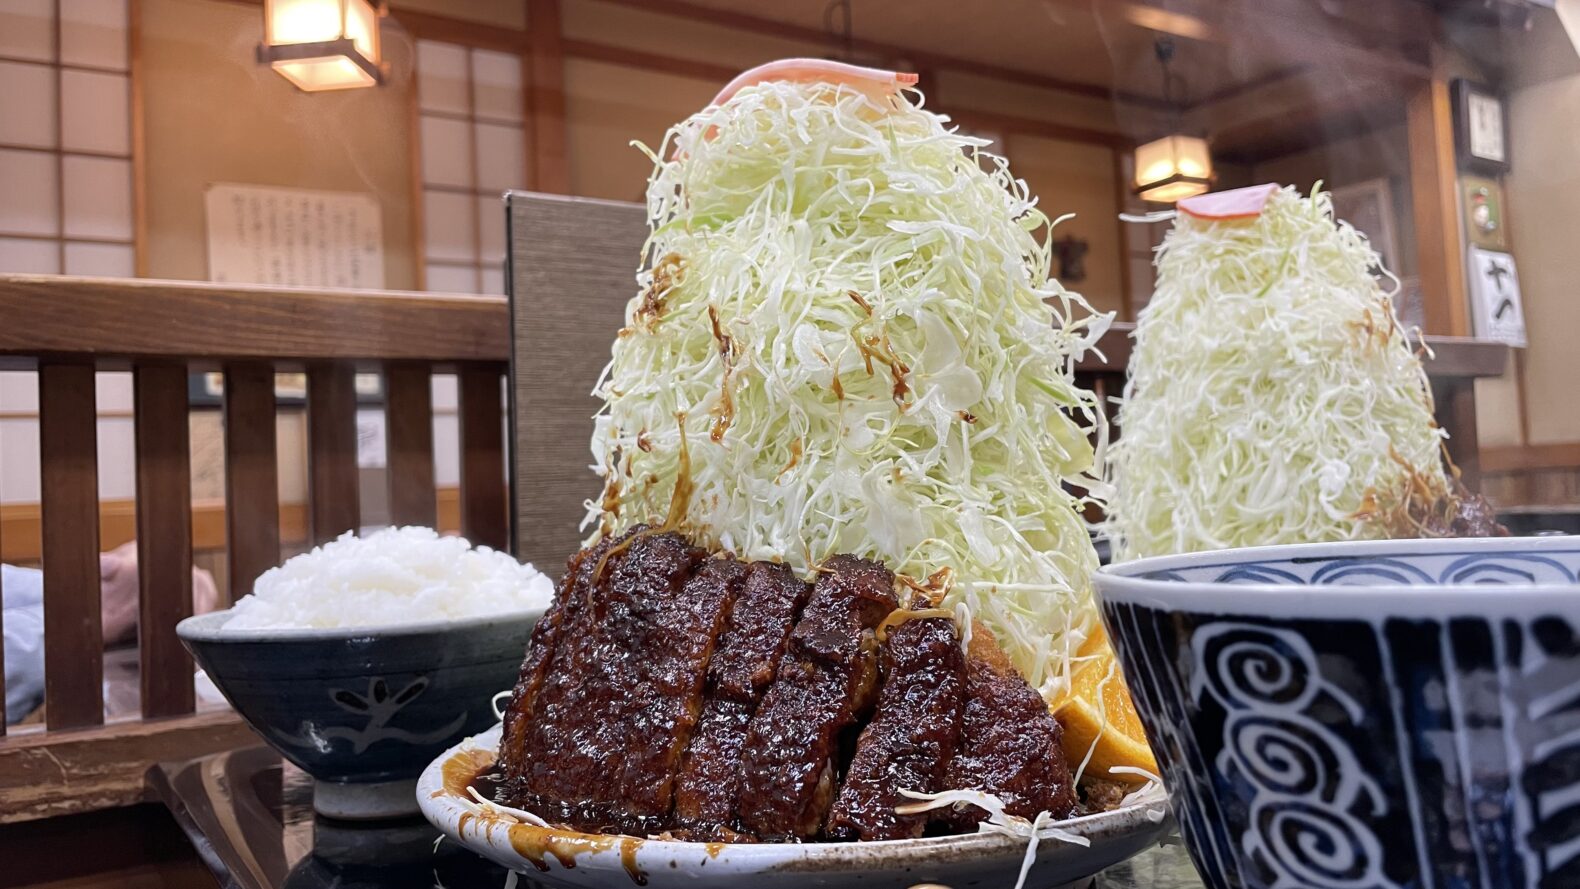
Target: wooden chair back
<point x="66" y="329"/>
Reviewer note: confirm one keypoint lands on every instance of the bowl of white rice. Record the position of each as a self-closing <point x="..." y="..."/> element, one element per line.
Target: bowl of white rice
<point x="367" y="657"/>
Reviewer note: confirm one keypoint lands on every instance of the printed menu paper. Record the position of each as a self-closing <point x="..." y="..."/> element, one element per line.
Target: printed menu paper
<point x="294" y="237"/>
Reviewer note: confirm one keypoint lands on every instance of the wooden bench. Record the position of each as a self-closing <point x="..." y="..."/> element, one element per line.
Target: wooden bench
<point x="67" y="329"/>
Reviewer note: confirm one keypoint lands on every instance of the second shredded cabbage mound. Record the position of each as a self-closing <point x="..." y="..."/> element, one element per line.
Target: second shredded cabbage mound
<point x="1272" y="395"/>
<point x="847" y="340"/>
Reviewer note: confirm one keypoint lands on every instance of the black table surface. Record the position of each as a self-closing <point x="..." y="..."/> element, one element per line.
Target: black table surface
<point x="250" y="817"/>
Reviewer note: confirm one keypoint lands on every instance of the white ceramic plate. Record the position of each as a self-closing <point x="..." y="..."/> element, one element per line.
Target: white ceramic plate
<point x="572" y="860"/>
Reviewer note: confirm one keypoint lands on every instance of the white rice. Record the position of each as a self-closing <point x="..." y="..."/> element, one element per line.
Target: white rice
<point x="390" y="577"/>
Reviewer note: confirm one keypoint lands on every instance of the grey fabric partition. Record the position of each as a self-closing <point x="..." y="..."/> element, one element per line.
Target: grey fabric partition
<point x="572" y="269"/>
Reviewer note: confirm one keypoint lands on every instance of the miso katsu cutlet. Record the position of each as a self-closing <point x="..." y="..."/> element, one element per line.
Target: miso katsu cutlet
<point x="826" y="681"/>
<point x="744" y="663"/>
<point x="623" y="685"/>
<point x="1010" y="746"/>
<point x="914" y="733"/>
<point x="672" y="691"/>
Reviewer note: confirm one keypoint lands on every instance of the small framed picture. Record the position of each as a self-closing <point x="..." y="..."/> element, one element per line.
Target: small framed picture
<point x="1368" y="206"/>
<point x="1481" y="129"/>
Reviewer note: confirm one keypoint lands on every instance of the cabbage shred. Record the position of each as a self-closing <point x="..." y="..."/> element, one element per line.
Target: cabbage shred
<point x="847" y="340"/>
<point x="1273" y="396"/>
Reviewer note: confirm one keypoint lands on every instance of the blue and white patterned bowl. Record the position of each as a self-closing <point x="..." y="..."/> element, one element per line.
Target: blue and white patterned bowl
<point x="1384" y="714"/>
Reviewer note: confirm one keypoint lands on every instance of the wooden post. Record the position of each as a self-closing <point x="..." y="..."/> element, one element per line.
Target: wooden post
<point x="333" y="492"/>
<point x="69" y="488"/>
<point x="483" y="519"/>
<point x="1127" y="307"/>
<point x="1456" y="413"/>
<point x="551" y="170"/>
<point x="164" y="536"/>
<point x="408" y="413"/>
<point x="252" y="475"/>
<point x="1434" y="185"/>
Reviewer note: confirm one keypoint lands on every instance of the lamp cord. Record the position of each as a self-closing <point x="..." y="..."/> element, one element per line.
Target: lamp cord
<point x="1163" y="47"/>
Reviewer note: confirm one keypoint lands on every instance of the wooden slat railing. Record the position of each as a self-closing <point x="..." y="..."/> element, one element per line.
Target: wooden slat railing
<point x="69" y="328"/>
<point x="483" y="518"/>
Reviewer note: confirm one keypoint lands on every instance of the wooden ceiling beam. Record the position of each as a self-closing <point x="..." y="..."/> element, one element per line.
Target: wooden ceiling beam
<point x="650" y="61"/>
<point x="745" y="21"/>
<point x="452" y="30"/>
<point x="1375" y="22"/>
<point x="1167" y="21"/>
<point x="1010" y="124"/>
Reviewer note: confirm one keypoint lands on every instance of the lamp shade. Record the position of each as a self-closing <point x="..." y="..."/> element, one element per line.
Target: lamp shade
<point x="323" y="44"/>
<point x="1172" y="168"/>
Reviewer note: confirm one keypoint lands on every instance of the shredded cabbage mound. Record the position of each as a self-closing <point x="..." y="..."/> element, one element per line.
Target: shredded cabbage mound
<point x="1273" y="396"/>
<point x="847" y="341"/>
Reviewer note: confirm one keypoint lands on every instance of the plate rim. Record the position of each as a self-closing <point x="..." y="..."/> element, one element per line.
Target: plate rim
<point x="444" y="809"/>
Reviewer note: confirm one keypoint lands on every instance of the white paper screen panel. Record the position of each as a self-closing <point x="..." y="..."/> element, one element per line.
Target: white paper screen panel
<point x="471" y="111"/>
<point x="66" y="138"/>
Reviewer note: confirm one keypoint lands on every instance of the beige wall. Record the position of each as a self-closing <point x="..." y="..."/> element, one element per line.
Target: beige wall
<point x="609" y="106"/>
<point x="1543" y="190"/>
<point x="1072" y="177"/>
<point x="973" y="92"/>
<point x="652" y="32"/>
<point x="1381" y="154"/>
<point x="213" y="114"/>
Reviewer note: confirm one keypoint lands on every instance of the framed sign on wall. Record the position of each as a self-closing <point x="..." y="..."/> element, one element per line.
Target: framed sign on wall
<point x="295" y="237"/>
<point x="1495" y="297"/>
<point x="1481" y="129"/>
<point x="1368" y="206"/>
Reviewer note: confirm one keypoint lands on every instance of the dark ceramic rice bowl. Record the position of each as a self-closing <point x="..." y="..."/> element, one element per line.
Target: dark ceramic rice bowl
<point x="363" y="710"/>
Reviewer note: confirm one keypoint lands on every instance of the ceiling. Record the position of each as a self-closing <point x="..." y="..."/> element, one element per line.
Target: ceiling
<point x="1109" y="43"/>
<point x="1245" y="69"/>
